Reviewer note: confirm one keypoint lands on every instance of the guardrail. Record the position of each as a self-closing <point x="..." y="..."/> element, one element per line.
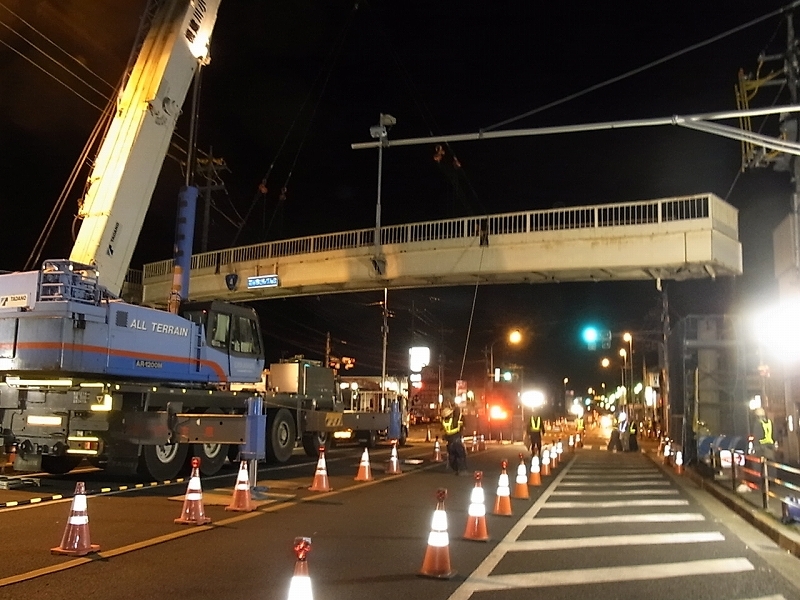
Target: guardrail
<point x="747" y="473"/>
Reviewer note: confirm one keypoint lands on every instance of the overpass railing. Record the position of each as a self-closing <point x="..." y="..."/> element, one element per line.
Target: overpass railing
<point x="723" y="216"/>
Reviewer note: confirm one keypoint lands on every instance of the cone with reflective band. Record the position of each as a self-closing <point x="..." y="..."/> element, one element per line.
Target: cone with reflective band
<point x="482" y="443"/>
<point x="364" y="470"/>
<point x="476" y="514"/>
<point x="76" y="540"/>
<point x="428" y="434"/>
<point x="521" y="481"/>
<point x="571" y="443"/>
<point x="502" y="502"/>
<point x="559" y="449"/>
<point x="474" y="447"/>
<point x="534" y="477"/>
<point x="300" y="586"/>
<point x="320" y="483"/>
<point x="394" y="462"/>
<point x="437" y="556"/>
<point x="679" y="462"/>
<point x="578" y="441"/>
<point x="545" y="462"/>
<point x="241" y="500"/>
<point x="437" y="451"/>
<point x="194" y="513"/>
<point x="553" y="457"/>
<point x="667" y="452"/>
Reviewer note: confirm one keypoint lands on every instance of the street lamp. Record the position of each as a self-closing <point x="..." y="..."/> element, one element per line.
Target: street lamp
<point x="514" y="337"/>
<point x="624" y="354"/>
<point x="629" y="338"/>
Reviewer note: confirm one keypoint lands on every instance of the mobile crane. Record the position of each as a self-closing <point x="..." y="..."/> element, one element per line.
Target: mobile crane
<point x="133" y="389"/>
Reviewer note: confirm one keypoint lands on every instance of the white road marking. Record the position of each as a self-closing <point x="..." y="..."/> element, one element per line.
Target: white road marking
<point x="617" y="504"/>
<point x="616" y="492"/>
<point x="613" y="483"/>
<point x="644" y="539"/>
<point x="613" y="519"/>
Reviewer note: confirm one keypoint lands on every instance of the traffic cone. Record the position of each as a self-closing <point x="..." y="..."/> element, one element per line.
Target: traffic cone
<point x="578" y="440"/>
<point x="571" y="443"/>
<point x="534" y="477"/>
<point x="679" y="462"/>
<point x="559" y="449"/>
<point x="476" y="514"/>
<point x="437" y="451"/>
<point x="76" y="540"/>
<point x="545" y="462"/>
<point x="193" y="512"/>
<point x="437" y="557"/>
<point x="553" y="457"/>
<point x="241" y="500"/>
<point x="300" y="586"/>
<point x="521" y="482"/>
<point x="428" y="434"/>
<point x="667" y="453"/>
<point x="320" y="483"/>
<point x="364" y="470"/>
<point x="394" y="462"/>
<point x="474" y="447"/>
<point x="482" y="443"/>
<point x="502" y="503"/>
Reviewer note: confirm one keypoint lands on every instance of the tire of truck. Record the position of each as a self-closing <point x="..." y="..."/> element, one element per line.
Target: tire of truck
<point x="281" y="435"/>
<point x="403" y="436"/>
<point x="163" y="462"/>
<point x="368" y="439"/>
<point x="313" y="440"/>
<point x="212" y="456"/>
<point x="58" y="465"/>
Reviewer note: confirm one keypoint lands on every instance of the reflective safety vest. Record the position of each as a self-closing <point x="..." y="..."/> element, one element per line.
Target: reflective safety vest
<point x="450" y="427"/>
<point x="632" y="428"/>
<point x="767" y="428"/>
<point x="536" y="423"/>
<point x="579" y="424"/>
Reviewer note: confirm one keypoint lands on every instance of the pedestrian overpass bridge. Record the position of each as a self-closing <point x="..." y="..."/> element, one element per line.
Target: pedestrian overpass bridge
<point x="671" y="238"/>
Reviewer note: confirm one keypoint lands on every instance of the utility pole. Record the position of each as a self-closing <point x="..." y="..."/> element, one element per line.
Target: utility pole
<point x="209" y="168"/>
<point x="664" y="365"/>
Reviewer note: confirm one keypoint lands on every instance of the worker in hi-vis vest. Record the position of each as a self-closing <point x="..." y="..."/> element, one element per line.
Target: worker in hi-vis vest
<point x="765" y="438"/>
<point x="535" y="431"/>
<point x="453" y="424"/>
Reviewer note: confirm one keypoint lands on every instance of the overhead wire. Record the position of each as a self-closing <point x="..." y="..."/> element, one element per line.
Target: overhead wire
<point x="650" y="65"/>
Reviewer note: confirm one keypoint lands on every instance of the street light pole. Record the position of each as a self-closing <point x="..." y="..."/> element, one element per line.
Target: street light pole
<point x="629" y="338"/>
<point x="624" y="354"/>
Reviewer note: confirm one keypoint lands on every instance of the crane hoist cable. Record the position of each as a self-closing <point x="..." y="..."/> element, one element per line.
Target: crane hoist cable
<point x="326" y="69"/>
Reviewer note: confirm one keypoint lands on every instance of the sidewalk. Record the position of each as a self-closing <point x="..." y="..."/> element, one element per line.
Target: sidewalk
<point x="768" y="523"/>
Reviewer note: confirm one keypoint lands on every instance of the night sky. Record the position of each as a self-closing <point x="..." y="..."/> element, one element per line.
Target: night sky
<point x="295" y="82"/>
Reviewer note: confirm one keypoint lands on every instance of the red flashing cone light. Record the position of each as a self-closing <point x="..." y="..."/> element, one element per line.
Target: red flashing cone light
<point x="521" y="482"/>
<point x="437" y="451"/>
<point x="320" y="483"/>
<point x="364" y="470"/>
<point x="482" y="443"/>
<point x="502" y="503"/>
<point x="437" y="557"/>
<point x="476" y="514"/>
<point x="300" y="586"/>
<point x="241" y="500"/>
<point x="394" y="462"/>
<point x="76" y="540"/>
<point x="193" y="513"/>
<point x="545" y="462"/>
<point x="535" y="478"/>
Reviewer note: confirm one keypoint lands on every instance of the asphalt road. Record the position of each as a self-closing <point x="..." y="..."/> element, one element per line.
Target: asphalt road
<point x="603" y="525"/>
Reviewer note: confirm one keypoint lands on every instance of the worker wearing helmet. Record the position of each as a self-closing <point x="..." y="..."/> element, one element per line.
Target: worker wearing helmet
<point x="453" y="424"/>
<point x="765" y="441"/>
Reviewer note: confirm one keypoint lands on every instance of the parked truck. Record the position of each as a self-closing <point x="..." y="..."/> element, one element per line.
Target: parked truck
<point x="84" y="374"/>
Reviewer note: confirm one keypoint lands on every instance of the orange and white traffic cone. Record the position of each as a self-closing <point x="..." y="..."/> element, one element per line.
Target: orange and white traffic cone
<point x="521" y="482"/>
<point x="193" y="513"/>
<point x="437" y="451"/>
<point x="502" y="503"/>
<point x="554" y="457"/>
<point x="571" y="443"/>
<point x="300" y="586"/>
<point x="437" y="557"/>
<point x="320" y="483"/>
<point x="476" y="514"/>
<point x="559" y="449"/>
<point x="534" y="477"/>
<point x="394" y="462"/>
<point x="364" y="470"/>
<point x="545" y="462"/>
<point x="474" y="447"/>
<point x="76" y="540"/>
<point x="679" y="462"/>
<point x="241" y="501"/>
<point x="482" y="443"/>
<point x="428" y="435"/>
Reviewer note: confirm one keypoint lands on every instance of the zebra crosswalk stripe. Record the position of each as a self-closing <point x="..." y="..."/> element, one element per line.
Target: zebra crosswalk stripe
<point x="600" y="541"/>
